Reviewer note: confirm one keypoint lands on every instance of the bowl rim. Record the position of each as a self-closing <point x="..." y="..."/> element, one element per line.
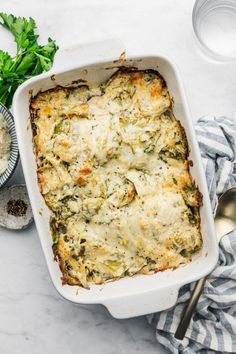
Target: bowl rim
<point x="14" y="151"/>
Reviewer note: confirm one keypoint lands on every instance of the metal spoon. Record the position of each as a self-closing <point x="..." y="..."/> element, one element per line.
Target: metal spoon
<point x="15" y="209"/>
<point x="225" y="222"/>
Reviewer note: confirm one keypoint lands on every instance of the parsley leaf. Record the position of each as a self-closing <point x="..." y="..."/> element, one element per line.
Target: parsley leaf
<point x="31" y="58"/>
<point x="22" y="30"/>
<point x="5" y="61"/>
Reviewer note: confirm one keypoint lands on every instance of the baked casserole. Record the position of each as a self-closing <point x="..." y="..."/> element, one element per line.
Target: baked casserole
<point x="112" y="164"/>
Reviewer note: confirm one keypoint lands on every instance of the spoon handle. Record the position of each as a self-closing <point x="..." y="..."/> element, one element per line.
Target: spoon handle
<point x="190" y="308"/>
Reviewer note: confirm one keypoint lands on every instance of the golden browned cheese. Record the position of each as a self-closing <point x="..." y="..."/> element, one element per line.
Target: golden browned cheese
<point x="113" y="168"/>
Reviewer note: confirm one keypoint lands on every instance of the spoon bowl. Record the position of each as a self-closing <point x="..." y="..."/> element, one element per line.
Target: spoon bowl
<point x="225" y="222"/>
<point x="225" y="215"/>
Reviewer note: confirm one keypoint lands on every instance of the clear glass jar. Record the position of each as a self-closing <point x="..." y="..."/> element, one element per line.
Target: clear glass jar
<point x="214" y="24"/>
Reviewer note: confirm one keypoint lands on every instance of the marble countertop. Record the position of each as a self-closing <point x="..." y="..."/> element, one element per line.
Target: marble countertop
<point x="34" y="318"/>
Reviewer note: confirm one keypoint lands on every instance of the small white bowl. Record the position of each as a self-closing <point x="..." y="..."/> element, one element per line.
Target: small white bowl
<point x="14" y="153"/>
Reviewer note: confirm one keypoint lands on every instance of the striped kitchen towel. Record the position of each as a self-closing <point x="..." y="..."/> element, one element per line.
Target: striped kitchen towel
<point x="213" y="327"/>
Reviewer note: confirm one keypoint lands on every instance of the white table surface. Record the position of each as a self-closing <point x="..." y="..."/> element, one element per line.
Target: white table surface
<point x="34" y="318"/>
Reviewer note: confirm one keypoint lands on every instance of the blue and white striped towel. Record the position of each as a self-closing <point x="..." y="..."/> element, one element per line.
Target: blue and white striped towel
<point x="213" y="327"/>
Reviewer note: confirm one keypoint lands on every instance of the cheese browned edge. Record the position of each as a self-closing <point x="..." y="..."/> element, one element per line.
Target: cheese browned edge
<point x="117" y="150"/>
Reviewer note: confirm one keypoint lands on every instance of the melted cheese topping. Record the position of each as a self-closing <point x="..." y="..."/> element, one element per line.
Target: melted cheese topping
<point x="112" y="167"/>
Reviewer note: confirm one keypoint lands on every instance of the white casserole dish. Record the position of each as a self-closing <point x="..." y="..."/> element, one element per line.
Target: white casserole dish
<point x="141" y="294"/>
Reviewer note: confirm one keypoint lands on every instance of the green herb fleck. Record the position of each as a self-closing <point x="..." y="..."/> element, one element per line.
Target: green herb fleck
<point x="58" y="128"/>
<point x="150" y="149"/>
<point x="189" y="187"/>
<point x="174" y="180"/>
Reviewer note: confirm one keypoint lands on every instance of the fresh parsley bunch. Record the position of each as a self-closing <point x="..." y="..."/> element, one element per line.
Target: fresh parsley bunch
<point x="31" y="58"/>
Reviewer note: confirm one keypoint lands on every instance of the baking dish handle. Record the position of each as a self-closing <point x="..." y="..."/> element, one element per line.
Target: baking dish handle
<point x="105" y="50"/>
<point x="142" y="304"/>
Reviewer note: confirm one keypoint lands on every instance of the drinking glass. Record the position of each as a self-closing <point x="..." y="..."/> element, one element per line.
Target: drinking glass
<point x="214" y="24"/>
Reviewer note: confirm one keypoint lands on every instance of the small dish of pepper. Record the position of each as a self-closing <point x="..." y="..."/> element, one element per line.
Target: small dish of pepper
<point x="15" y="209"/>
